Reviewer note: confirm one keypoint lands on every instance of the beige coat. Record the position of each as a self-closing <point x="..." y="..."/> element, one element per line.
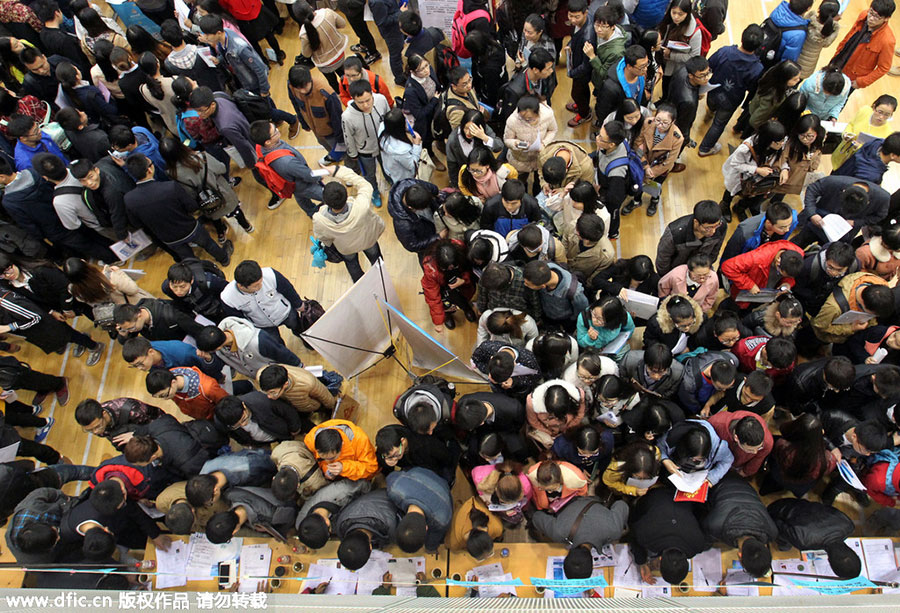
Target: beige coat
<point x="660" y="158"/>
<point x="580" y="166"/>
<point x="815" y="42"/>
<point x="125" y="290"/>
<point x="298" y="456"/>
<point x="307" y="393"/>
<point x="518" y="129"/>
<point x="361" y="228"/>
<point x="589" y="262"/>
<point x="333" y="43"/>
<point x="165" y="107"/>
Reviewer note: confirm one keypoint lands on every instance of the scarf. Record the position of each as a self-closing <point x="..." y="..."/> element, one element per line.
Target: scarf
<point x="487" y="185"/>
<point x="632" y="90"/>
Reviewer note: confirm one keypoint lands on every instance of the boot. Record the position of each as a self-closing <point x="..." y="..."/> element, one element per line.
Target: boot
<point x="740" y="211"/>
<point x="449" y="322"/>
<point x="470" y="313"/>
<point x="726" y="211"/>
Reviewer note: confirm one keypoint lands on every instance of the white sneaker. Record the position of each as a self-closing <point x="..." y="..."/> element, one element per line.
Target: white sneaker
<point x="275" y="202"/>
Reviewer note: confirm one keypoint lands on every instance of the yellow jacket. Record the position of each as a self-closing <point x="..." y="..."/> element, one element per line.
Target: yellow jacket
<point x="357" y="452"/>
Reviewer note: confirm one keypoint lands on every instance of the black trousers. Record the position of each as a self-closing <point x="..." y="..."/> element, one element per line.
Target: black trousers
<point x="39" y="382"/>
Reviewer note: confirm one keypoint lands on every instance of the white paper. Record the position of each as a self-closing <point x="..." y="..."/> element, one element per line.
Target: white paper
<point x="626" y="573"/>
<point x="641" y="305"/>
<point x="255" y="561"/>
<point x="707" y="567"/>
<point x="879" y="355"/>
<point x="848" y="475"/>
<point x="681" y="345"/>
<point x="315" y="371"/>
<point x="491" y="573"/>
<point x="403" y="572"/>
<point x="688" y="482"/>
<point x="536" y="145"/>
<point x="8" y="453"/>
<point x="370" y="576"/>
<point x="862" y="138"/>
<point x="603" y="558"/>
<point x="134" y="273"/>
<point x="206" y="55"/>
<point x="125" y="249"/>
<point x="205" y="556"/>
<point x="322" y="172"/>
<point x="735" y="575"/>
<point x="851" y="317"/>
<point x="616" y="344"/>
<point x="855" y="543"/>
<point x="834" y="126"/>
<point x="171" y="565"/>
<point x="762" y="296"/>
<point x="879" y="557"/>
<point x="707" y="87"/>
<point x="152" y="512"/>
<point x="660" y="589"/>
<point x="834" y="226"/>
<point x="641" y="484"/>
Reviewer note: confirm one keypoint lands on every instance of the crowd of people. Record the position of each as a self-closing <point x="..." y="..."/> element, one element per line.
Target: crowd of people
<point x="770" y="365"/>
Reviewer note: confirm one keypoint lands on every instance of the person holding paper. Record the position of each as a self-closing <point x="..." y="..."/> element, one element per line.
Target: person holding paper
<point x="634" y="469"/>
<point x="653" y="370"/>
<point x="693" y="446"/>
<point x="660" y="527"/>
<point x="556" y="484"/>
<point x="818" y="385"/>
<point x="869" y="122"/>
<point x="505" y="488"/>
<point x="681" y="39"/>
<point x="752" y="392"/>
<point x="876" y="345"/>
<point x="870" y="162"/>
<point x="187" y="59"/>
<point x="859" y="202"/>
<point x="736" y="516"/>
<point x="366" y="523"/>
<point x="677" y="318"/>
<point x="807" y="525"/>
<point x="602" y="323"/>
<point x="474" y="529"/>
<point x="531" y="125"/>
<point x="659" y="143"/>
<point x="707" y="377"/>
<point x="853" y="442"/>
<point x="799" y="459"/>
<point x="747" y="436"/>
<point x="821" y="273"/>
<point x="862" y="292"/>
<point x="554" y="408"/>
<point x="771" y="266"/>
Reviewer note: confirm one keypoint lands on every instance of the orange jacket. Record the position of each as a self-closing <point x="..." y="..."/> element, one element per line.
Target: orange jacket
<point x="574" y="483"/>
<point x="381" y="88"/>
<point x="871" y="60"/>
<point x="357" y="452"/>
<point x="203" y="405"/>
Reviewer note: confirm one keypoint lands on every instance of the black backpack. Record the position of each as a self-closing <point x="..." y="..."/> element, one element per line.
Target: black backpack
<point x="440" y="125"/>
<point x="253" y="106"/>
<point x="768" y="50"/>
<point x="199" y="268"/>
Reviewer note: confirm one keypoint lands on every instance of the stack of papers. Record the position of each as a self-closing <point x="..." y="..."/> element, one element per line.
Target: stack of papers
<point x="124" y="249"/>
<point x="688" y="482"/>
<point x="641" y="305"/>
<point x="171" y="565"/>
<point x="835" y="227"/>
<point x="707" y="567"/>
<point x="403" y="571"/>
<point x="370" y="576"/>
<point x="254" y="569"/>
<point x="616" y="344"/>
<point x="204" y="557"/>
<point x="340" y="580"/>
<point x="737" y="576"/>
<point x="491" y="573"/>
<point x="851" y="317"/>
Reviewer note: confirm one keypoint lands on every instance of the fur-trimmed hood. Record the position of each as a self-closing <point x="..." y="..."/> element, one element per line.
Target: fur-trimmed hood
<point x="771" y="324"/>
<point x="667" y="326"/>
<point x="540" y="391"/>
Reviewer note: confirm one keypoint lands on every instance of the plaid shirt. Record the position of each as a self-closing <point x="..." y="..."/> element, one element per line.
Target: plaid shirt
<point x="513" y="296"/>
<point x="27" y="105"/>
<point x="15" y="12"/>
<point x="27" y="516"/>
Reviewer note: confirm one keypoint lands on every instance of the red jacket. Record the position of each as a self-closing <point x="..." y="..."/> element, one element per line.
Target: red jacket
<point x="871" y="60"/>
<point x="874" y="480"/>
<point x="242" y="10"/>
<point x="203" y="405"/>
<point x="749" y="462"/>
<point x="752" y="268"/>
<point x="746" y="351"/>
<point x="432" y="282"/>
<point x="378" y="87"/>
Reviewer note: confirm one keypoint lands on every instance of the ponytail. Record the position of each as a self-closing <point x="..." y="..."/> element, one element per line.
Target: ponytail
<point x="305" y="14"/>
<point x="149" y="65"/>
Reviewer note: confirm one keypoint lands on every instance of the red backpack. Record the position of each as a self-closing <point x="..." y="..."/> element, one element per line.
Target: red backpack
<point x="274" y="181"/>
<point x="705" y="37"/>
<point x="460" y="27"/>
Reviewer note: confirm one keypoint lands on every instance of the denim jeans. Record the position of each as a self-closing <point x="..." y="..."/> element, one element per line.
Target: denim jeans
<point x="720" y="120"/>
<point x="393" y="38"/>
<point x="202" y="238"/>
<point x="72" y="472"/>
<point x="368" y="168"/>
<point x="351" y="261"/>
<point x="245" y="467"/>
<point x="305" y="193"/>
<point x="340" y="492"/>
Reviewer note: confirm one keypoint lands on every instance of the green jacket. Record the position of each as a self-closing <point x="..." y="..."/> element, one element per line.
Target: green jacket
<point x="606" y="56"/>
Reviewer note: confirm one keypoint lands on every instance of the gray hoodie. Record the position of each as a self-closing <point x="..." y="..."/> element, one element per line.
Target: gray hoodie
<point x="247" y="360"/>
<point x="361" y="129"/>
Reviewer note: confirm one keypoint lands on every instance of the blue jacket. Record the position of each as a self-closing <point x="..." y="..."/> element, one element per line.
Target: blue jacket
<point x="385" y="13"/>
<point x="736" y="73"/>
<point x="415" y="232"/>
<point x="864" y="164"/>
<point x="426" y="490"/>
<point x="720" y="458"/>
<point x="648" y="13"/>
<point x="748" y="235"/>
<point x="821" y="104"/>
<point x="149" y="146"/>
<point x="24" y="153"/>
<point x="245" y="63"/>
<point x="293" y="168"/>
<point x="791" y="40"/>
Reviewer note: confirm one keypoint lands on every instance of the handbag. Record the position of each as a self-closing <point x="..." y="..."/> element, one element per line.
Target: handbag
<point x="425" y="167"/>
<point x="210" y="199"/>
<point x="756" y="185"/>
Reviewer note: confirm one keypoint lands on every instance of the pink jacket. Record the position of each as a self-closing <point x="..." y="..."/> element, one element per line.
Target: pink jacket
<point x="480" y="472"/>
<point x="675" y="282"/>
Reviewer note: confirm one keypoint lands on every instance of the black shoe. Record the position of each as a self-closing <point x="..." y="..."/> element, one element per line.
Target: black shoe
<point x="628" y="208"/>
<point x="725" y="207"/>
<point x="281" y="55"/>
<point x="741" y="212"/>
<point x="613" y="236"/>
<point x="235" y="181"/>
<point x="470" y="314"/>
<point x="372" y="57"/>
<point x="229" y="249"/>
<point x="400" y="81"/>
<point x="359" y="49"/>
<point x="651" y="208"/>
<point x="449" y="322"/>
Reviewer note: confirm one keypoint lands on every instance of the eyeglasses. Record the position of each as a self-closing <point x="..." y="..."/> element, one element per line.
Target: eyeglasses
<point x="882" y="113"/>
<point x="663" y="122"/>
<point x="478" y="171"/>
<point x="642" y="67"/>
<point x="392" y="456"/>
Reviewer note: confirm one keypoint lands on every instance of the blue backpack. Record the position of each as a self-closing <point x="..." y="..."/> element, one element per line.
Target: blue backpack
<point x="183" y="135"/>
<point x="892" y="458"/>
<point x="635" y="170"/>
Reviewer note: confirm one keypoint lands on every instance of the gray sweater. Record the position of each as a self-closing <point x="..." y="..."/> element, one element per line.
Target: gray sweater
<point x="600" y="526"/>
<point x="361" y="129"/>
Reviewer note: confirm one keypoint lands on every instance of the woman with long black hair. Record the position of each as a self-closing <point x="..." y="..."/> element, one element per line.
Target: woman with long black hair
<point x="753" y="171"/>
<point x="321" y="40"/>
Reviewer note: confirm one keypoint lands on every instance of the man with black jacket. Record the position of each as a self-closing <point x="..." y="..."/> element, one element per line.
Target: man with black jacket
<point x="684" y="93"/>
<point x="116" y="420"/>
<point x="531" y="81"/>
<point x="854" y="441"/>
<point x="57" y="41"/>
<point x="817" y="385"/>
<point x="411" y="204"/>
<point x="700" y="232"/>
<point x="875" y="391"/>
<point x="89" y="139"/>
<point x="170" y="445"/>
<point x="633" y="65"/>
<point x="254" y="420"/>
<point x="154" y="319"/>
<point x="186" y="60"/>
<point x="510" y="210"/>
<point x="481" y="413"/>
<point x="822" y="271"/>
<point x="399" y="448"/>
<point x="165" y="210"/>
<point x="40" y="80"/>
<point x="106" y="185"/>
<point x="809" y="525"/>
<point x="578" y="66"/>
<point x="195" y="287"/>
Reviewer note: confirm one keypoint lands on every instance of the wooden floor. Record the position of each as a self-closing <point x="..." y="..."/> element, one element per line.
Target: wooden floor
<point x="281" y="240"/>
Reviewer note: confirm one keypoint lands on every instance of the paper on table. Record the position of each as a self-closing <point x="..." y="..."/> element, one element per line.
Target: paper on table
<point x="171" y="565"/>
<point x="660" y="589"/>
<point x="370" y="576"/>
<point x="125" y="249"/>
<point x="605" y="557"/>
<point x="254" y="568"/>
<point x="8" y="453"/>
<point x="707" y="567"/>
<point x="848" y="475"/>
<point x="688" y="482"/>
<point x="640" y="304"/>
<point x="626" y="592"/>
<point x="205" y="556"/>
<point x="343" y="582"/>
<point x="835" y="227"/>
<point x="855" y="543"/>
<point x="616" y="344"/>
<point x="626" y="573"/>
<point x="784" y="586"/>
<point x="491" y="573"/>
<point x="318" y="574"/>
<point x="879" y="554"/>
<point x="555" y="572"/>
<point x="403" y="572"/>
<point x="851" y="317"/>
<point x="734" y="576"/>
